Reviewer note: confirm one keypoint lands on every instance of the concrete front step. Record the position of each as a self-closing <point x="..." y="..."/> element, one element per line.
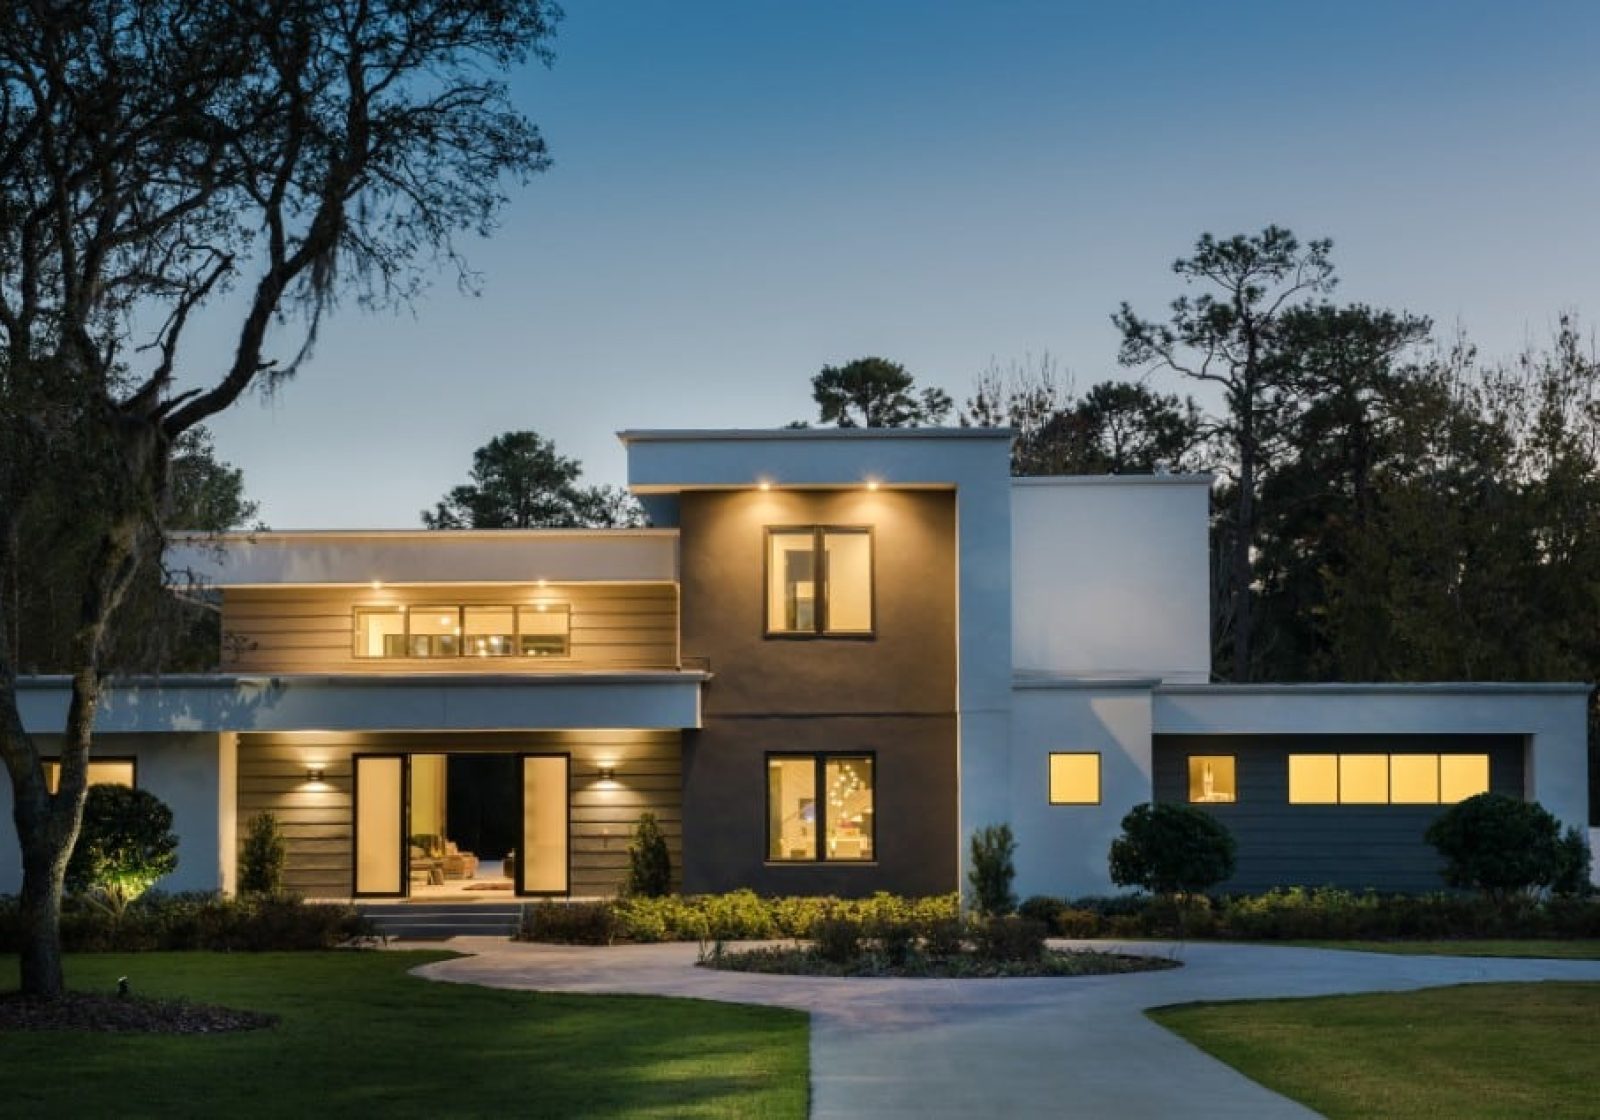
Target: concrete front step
<point x="433" y="922"/>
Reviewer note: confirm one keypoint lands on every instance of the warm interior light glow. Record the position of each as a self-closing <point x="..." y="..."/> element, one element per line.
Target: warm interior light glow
<point x="1211" y="779"/>
<point x="873" y="484"/>
<point x="763" y="485"/>
<point x="1075" y="779"/>
<point x="1313" y="779"/>
<point x="377" y="585"/>
<point x="1363" y="779"/>
<point x="1462" y="776"/>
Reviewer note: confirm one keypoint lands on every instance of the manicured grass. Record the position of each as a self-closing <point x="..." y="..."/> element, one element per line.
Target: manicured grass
<point x="360" y="1037"/>
<point x="1477" y="1050"/>
<point x="1561" y="950"/>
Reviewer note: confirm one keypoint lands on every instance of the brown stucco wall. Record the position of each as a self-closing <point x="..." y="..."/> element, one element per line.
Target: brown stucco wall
<point x="893" y="695"/>
<point x="909" y="666"/>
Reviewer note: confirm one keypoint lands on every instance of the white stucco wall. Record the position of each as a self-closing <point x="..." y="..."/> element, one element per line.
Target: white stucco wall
<point x="1063" y="850"/>
<point x="182" y="770"/>
<point x="1110" y="575"/>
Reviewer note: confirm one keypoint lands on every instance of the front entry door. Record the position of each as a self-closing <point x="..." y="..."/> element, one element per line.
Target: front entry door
<point x="542" y="856"/>
<point x="382" y="866"/>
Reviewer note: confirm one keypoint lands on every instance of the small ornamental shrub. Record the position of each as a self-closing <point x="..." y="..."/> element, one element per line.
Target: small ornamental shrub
<point x="1572" y="878"/>
<point x="570" y="923"/>
<point x="837" y="939"/>
<point x="262" y="857"/>
<point x="896" y="939"/>
<point x="944" y="937"/>
<point x="188" y="922"/>
<point x="990" y="876"/>
<point x="1072" y="922"/>
<point x="125" y="845"/>
<point x="1171" y="850"/>
<point x="649" y="864"/>
<point x="1043" y="909"/>
<point x="1009" y="938"/>
<point x="1499" y="845"/>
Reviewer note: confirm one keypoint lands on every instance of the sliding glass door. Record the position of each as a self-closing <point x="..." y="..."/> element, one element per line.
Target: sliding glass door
<point x="542" y="860"/>
<point x="380" y="815"/>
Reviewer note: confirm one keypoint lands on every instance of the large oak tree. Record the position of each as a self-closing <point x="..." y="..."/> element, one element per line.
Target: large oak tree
<point x="155" y="155"/>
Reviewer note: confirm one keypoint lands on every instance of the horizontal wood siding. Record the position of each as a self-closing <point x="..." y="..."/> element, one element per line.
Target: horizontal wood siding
<point x="317" y="822"/>
<point x="1352" y="846"/>
<point x="312" y="630"/>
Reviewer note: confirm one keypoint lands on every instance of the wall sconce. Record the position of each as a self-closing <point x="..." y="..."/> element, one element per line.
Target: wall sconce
<point x="608" y="773"/>
<point x="314" y="773"/>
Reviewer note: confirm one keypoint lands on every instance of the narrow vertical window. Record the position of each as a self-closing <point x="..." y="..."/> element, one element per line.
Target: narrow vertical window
<point x="847" y="568"/>
<point x="848" y="783"/>
<point x="792" y="582"/>
<point x="792" y="815"/>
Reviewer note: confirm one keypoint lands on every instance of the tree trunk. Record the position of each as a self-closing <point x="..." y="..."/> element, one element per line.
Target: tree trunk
<point x="44" y="867"/>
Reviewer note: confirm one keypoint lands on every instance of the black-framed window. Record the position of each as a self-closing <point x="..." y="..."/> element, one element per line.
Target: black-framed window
<point x="431" y="632"/>
<point x="1213" y="779"/>
<point x="821" y="808"/>
<point x="819" y="581"/>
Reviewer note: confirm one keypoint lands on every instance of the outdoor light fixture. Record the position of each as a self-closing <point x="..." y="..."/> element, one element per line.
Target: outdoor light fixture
<point x="763" y="485"/>
<point x="313" y="773"/>
<point x="608" y="773"/>
<point x="873" y="484"/>
<point x="377" y="585"/>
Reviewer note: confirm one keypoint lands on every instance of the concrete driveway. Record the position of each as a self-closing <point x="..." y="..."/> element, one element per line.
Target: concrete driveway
<point x="1059" y="1047"/>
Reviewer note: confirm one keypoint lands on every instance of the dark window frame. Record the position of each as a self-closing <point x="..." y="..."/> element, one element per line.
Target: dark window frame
<point x="563" y="607"/>
<point x="1388" y="756"/>
<point x="820" y="799"/>
<point x="1189" y="786"/>
<point x="819" y="554"/>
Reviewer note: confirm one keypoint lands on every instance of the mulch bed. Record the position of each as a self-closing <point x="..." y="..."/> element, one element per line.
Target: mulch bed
<point x="85" y="1011"/>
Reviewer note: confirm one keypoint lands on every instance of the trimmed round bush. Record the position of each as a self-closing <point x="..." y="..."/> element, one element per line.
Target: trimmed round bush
<point x="125" y="845"/>
<point x="1171" y="850"/>
<point x="1499" y="845"/>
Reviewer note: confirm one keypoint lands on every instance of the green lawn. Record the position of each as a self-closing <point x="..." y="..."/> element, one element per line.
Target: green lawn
<point x="360" y="1037"/>
<point x="1563" y="950"/>
<point x="1477" y="1050"/>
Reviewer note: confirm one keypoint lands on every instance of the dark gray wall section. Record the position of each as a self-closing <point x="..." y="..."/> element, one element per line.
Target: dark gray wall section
<point x="893" y="695"/>
<point x="1351" y="846"/>
<point x="724" y="805"/>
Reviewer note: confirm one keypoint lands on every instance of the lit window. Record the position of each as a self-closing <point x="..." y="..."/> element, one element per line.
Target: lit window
<point x="449" y="631"/>
<point x="1414" y="779"/>
<point x="1075" y="779"/>
<point x="819" y="580"/>
<point x="1364" y="779"/>
<point x="434" y="631"/>
<point x="820" y="797"/>
<point x="546" y="630"/>
<point x="1313" y="779"/>
<point x="489" y="631"/>
<point x="1211" y="778"/>
<point x="1462" y="776"/>
<point x="102" y="772"/>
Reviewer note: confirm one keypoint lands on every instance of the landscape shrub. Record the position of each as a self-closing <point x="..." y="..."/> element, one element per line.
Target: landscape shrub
<point x="649" y="863"/>
<point x="1499" y="845"/>
<point x="1575" y="866"/>
<point x="744" y="915"/>
<point x="1171" y="850"/>
<point x="1071" y="922"/>
<point x="184" y="922"/>
<point x="944" y="937"/>
<point x="837" y="939"/>
<point x="570" y="923"/>
<point x="992" y="854"/>
<point x="262" y="858"/>
<point x="896" y="938"/>
<point x="1009" y="938"/>
<point x="125" y="844"/>
<point x="1042" y="908"/>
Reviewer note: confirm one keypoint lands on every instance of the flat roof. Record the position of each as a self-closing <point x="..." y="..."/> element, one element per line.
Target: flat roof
<point x="706" y="435"/>
<point x="284" y="536"/>
<point x="1033" y="480"/>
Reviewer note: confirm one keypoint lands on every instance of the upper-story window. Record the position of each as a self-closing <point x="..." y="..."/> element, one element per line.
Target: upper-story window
<point x="445" y="631"/>
<point x="819" y="580"/>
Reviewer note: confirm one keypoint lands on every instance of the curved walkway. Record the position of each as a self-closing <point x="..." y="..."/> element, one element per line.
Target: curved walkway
<point x="1066" y="1047"/>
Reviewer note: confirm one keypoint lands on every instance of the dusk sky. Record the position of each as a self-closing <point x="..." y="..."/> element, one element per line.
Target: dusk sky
<point x="744" y="192"/>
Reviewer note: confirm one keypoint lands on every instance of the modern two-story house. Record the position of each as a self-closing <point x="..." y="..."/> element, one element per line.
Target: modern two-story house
<point x="836" y="655"/>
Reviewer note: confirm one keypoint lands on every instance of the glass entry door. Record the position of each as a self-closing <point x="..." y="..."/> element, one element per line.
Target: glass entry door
<point x="380" y="817"/>
<point x="542" y="858"/>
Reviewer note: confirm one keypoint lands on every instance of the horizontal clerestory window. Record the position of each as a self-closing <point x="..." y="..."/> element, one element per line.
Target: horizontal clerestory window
<point x="1386" y="779"/>
<point x="432" y="632"/>
<point x="102" y="772"/>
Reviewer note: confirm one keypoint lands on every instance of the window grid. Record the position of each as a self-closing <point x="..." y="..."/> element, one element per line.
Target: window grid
<point x="541" y="630"/>
<point x="1354" y="778"/>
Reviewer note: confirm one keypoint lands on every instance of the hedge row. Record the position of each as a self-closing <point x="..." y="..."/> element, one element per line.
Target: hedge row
<point x="738" y="916"/>
<point x="198" y="921"/>
<point x="1298" y="914"/>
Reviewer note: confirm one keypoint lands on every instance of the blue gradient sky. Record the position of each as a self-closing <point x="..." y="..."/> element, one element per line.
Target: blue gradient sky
<point x="745" y="191"/>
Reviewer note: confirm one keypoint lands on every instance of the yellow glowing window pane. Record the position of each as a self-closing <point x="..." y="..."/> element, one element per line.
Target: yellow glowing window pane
<point x="847" y="783"/>
<point x="1313" y="779"/>
<point x="1074" y="779"/>
<point x="792" y="813"/>
<point x="849" y="584"/>
<point x="546" y="630"/>
<point x="1414" y="779"/>
<point x="490" y="631"/>
<point x="1211" y="779"/>
<point x="114" y="772"/>
<point x="380" y="632"/>
<point x="1462" y="776"/>
<point x="791" y="582"/>
<point x="1364" y="779"/>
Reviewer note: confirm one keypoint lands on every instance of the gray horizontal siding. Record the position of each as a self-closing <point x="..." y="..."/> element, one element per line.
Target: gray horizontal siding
<point x="1352" y="846"/>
